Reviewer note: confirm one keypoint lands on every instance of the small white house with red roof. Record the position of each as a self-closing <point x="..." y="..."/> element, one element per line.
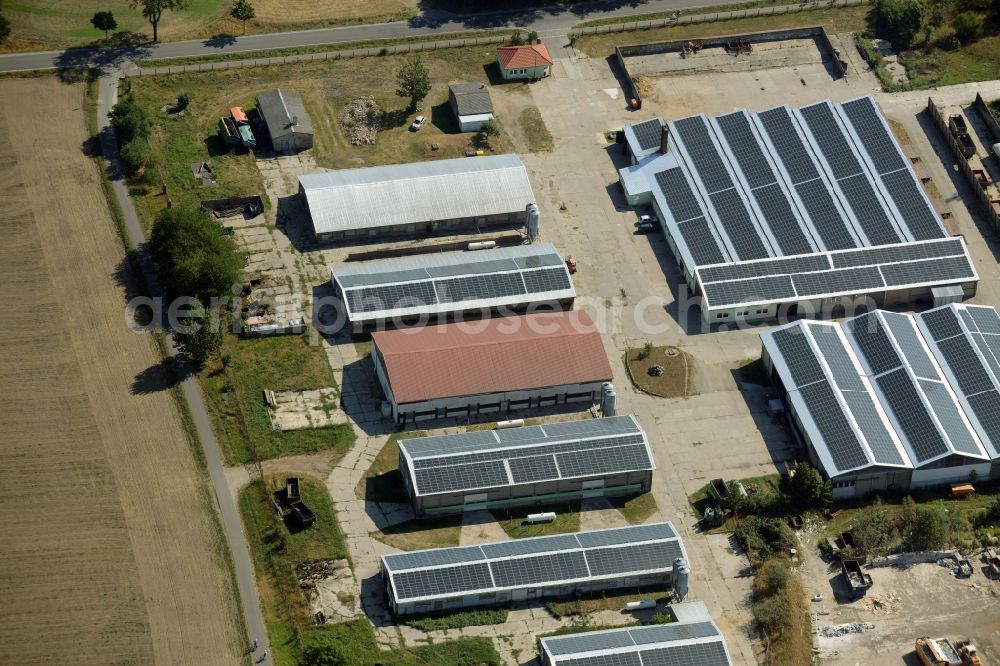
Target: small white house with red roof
<point x="524" y="62"/>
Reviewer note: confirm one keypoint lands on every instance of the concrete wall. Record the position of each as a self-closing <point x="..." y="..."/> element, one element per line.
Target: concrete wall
<point x="495" y="405"/>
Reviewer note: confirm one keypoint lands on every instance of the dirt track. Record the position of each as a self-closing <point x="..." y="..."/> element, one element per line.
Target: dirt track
<point x="110" y="553"/>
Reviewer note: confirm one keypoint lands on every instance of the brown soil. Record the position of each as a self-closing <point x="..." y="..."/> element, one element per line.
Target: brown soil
<point x="111" y="554"/>
<point x="673" y="383"/>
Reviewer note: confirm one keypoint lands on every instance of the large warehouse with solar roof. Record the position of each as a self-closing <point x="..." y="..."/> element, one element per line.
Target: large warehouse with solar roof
<point x="692" y="639"/>
<point x="530" y="465"/>
<point x="563" y="565"/>
<point x="779" y="209"/>
<point x="451" y="285"/>
<point x="890" y="400"/>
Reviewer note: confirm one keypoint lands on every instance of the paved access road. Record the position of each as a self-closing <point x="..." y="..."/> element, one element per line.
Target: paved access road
<point x="544" y="20"/>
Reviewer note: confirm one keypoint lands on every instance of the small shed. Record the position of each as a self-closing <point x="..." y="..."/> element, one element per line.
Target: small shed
<point x="286" y="119"/>
<point x="524" y="62"/>
<point x="471" y="104"/>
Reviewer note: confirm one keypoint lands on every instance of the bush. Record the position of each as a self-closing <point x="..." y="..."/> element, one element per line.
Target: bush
<point x="931" y="527"/>
<point x="129" y="120"/>
<point x="459" y="619"/>
<point x="991" y="514"/>
<point x="4" y="27"/>
<point x="900" y="20"/>
<point x="968" y="27"/>
<point x="134" y="155"/>
<point x="769" y="614"/>
<point x="775" y="574"/>
<point x="872" y="531"/>
<point x="805" y="487"/>
<point x="765" y="537"/>
<point x="517" y="39"/>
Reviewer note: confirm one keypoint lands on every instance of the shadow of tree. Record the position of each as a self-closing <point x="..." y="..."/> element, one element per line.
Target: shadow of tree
<point x="220" y="41"/>
<point x="74" y="65"/>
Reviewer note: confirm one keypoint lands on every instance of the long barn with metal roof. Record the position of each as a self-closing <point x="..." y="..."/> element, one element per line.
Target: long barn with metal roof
<point x="416" y="199"/>
<point x="489" y="574"/>
<point x="890" y="400"/>
<point x="451" y="285"/>
<point x="530" y="465"/>
<point x="692" y="639"/>
<point x="775" y="209"/>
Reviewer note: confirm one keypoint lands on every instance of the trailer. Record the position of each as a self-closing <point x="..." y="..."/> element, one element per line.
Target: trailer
<point x="857" y="580"/>
<point x="302" y="514"/>
<point x="292" y="489"/>
<point x="228" y="132"/>
<point x="937" y="652"/>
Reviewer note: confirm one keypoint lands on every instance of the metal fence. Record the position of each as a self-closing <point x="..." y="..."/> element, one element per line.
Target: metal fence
<point x="717" y="16"/>
<point x="981" y="195"/>
<point x="324" y="55"/>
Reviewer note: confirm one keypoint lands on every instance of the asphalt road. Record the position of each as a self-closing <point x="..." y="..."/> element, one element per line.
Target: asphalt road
<point x="232" y="525"/>
<point x="544" y="20"/>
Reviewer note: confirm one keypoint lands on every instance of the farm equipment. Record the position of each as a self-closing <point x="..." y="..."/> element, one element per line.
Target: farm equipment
<point x="249" y="207"/>
<point x="719" y="488"/>
<point x="992" y="561"/>
<point x="857" y="580"/>
<point x="937" y="652"/>
<point x="968" y="654"/>
<point x="289" y="504"/>
<point x="847" y="538"/>
<point x="242" y="123"/>
<point x="228" y="132"/>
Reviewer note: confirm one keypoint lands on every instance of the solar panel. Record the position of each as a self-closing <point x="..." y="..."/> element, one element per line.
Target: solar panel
<point x="942" y="323"/>
<point x="647" y="133"/>
<point x="654" y="556"/>
<point x="830" y="139"/>
<point x="539" y="260"/>
<point x="912" y="415"/>
<point x="666" y="633"/>
<point x="704" y="155"/>
<point x="459" y="477"/>
<point x="874" y="343"/>
<point x="753" y="290"/>
<point x="826" y="219"/>
<point x="779" y="217"/>
<point x="588" y="642"/>
<point x="793" y="153"/>
<point x="949" y="417"/>
<point x="915" y="213"/>
<point x="618" y="425"/>
<point x="908" y="340"/>
<point x="989" y="346"/>
<point x="701" y="242"/>
<point x="610" y="659"/>
<point x="636" y="533"/>
<point x="799" y="356"/>
<point x="735" y="218"/>
<point x="531" y="546"/>
<point x="430" y="558"/>
<point x="477" y="287"/>
<point x="874" y="136"/>
<point x="482" y="267"/>
<point x="448" y="580"/>
<point x="422" y="447"/>
<point x="907" y="252"/>
<point x="603" y="461"/>
<point x="837" y="281"/>
<point x="680" y="197"/>
<point x="841" y="441"/>
<point x="534" y="468"/>
<point x="549" y="279"/>
<point x="391" y="297"/>
<point x="367" y="279"/>
<point x="966" y="365"/>
<point x="868" y="210"/>
<point x="930" y="270"/>
<point x="986" y="407"/>
<point x="836" y="356"/>
<point x="687" y="654"/>
<point x="539" y="569"/>
<point x="745" y="148"/>
<point x="783" y="265"/>
<point x="872" y="428"/>
<point x="987" y="320"/>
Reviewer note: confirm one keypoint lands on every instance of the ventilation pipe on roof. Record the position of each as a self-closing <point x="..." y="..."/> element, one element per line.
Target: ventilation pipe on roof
<point x="664" y="139"/>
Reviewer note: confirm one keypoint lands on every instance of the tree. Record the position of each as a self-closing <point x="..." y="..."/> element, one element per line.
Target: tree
<point x="805" y="487"/>
<point x="533" y="37"/>
<point x="872" y="531"/>
<point x="413" y="81"/>
<point x="201" y="338"/>
<point x="931" y="527"/>
<point x="135" y="155"/>
<point x="900" y="20"/>
<point x="194" y="255"/>
<point x="129" y="120"/>
<point x="104" y="21"/>
<point x="243" y="11"/>
<point x="517" y="39"/>
<point x="4" y="27"/>
<point x="153" y="10"/>
<point x="968" y="27"/>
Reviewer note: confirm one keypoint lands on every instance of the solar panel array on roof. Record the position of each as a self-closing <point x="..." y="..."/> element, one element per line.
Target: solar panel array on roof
<point x="856" y="271"/>
<point x="531" y="562"/>
<point x="443" y="282"/>
<point x="689" y="642"/>
<point x="477" y="461"/>
<point x="647" y="133"/>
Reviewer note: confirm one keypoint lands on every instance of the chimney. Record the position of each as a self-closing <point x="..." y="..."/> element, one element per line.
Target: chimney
<point x="664" y="136"/>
